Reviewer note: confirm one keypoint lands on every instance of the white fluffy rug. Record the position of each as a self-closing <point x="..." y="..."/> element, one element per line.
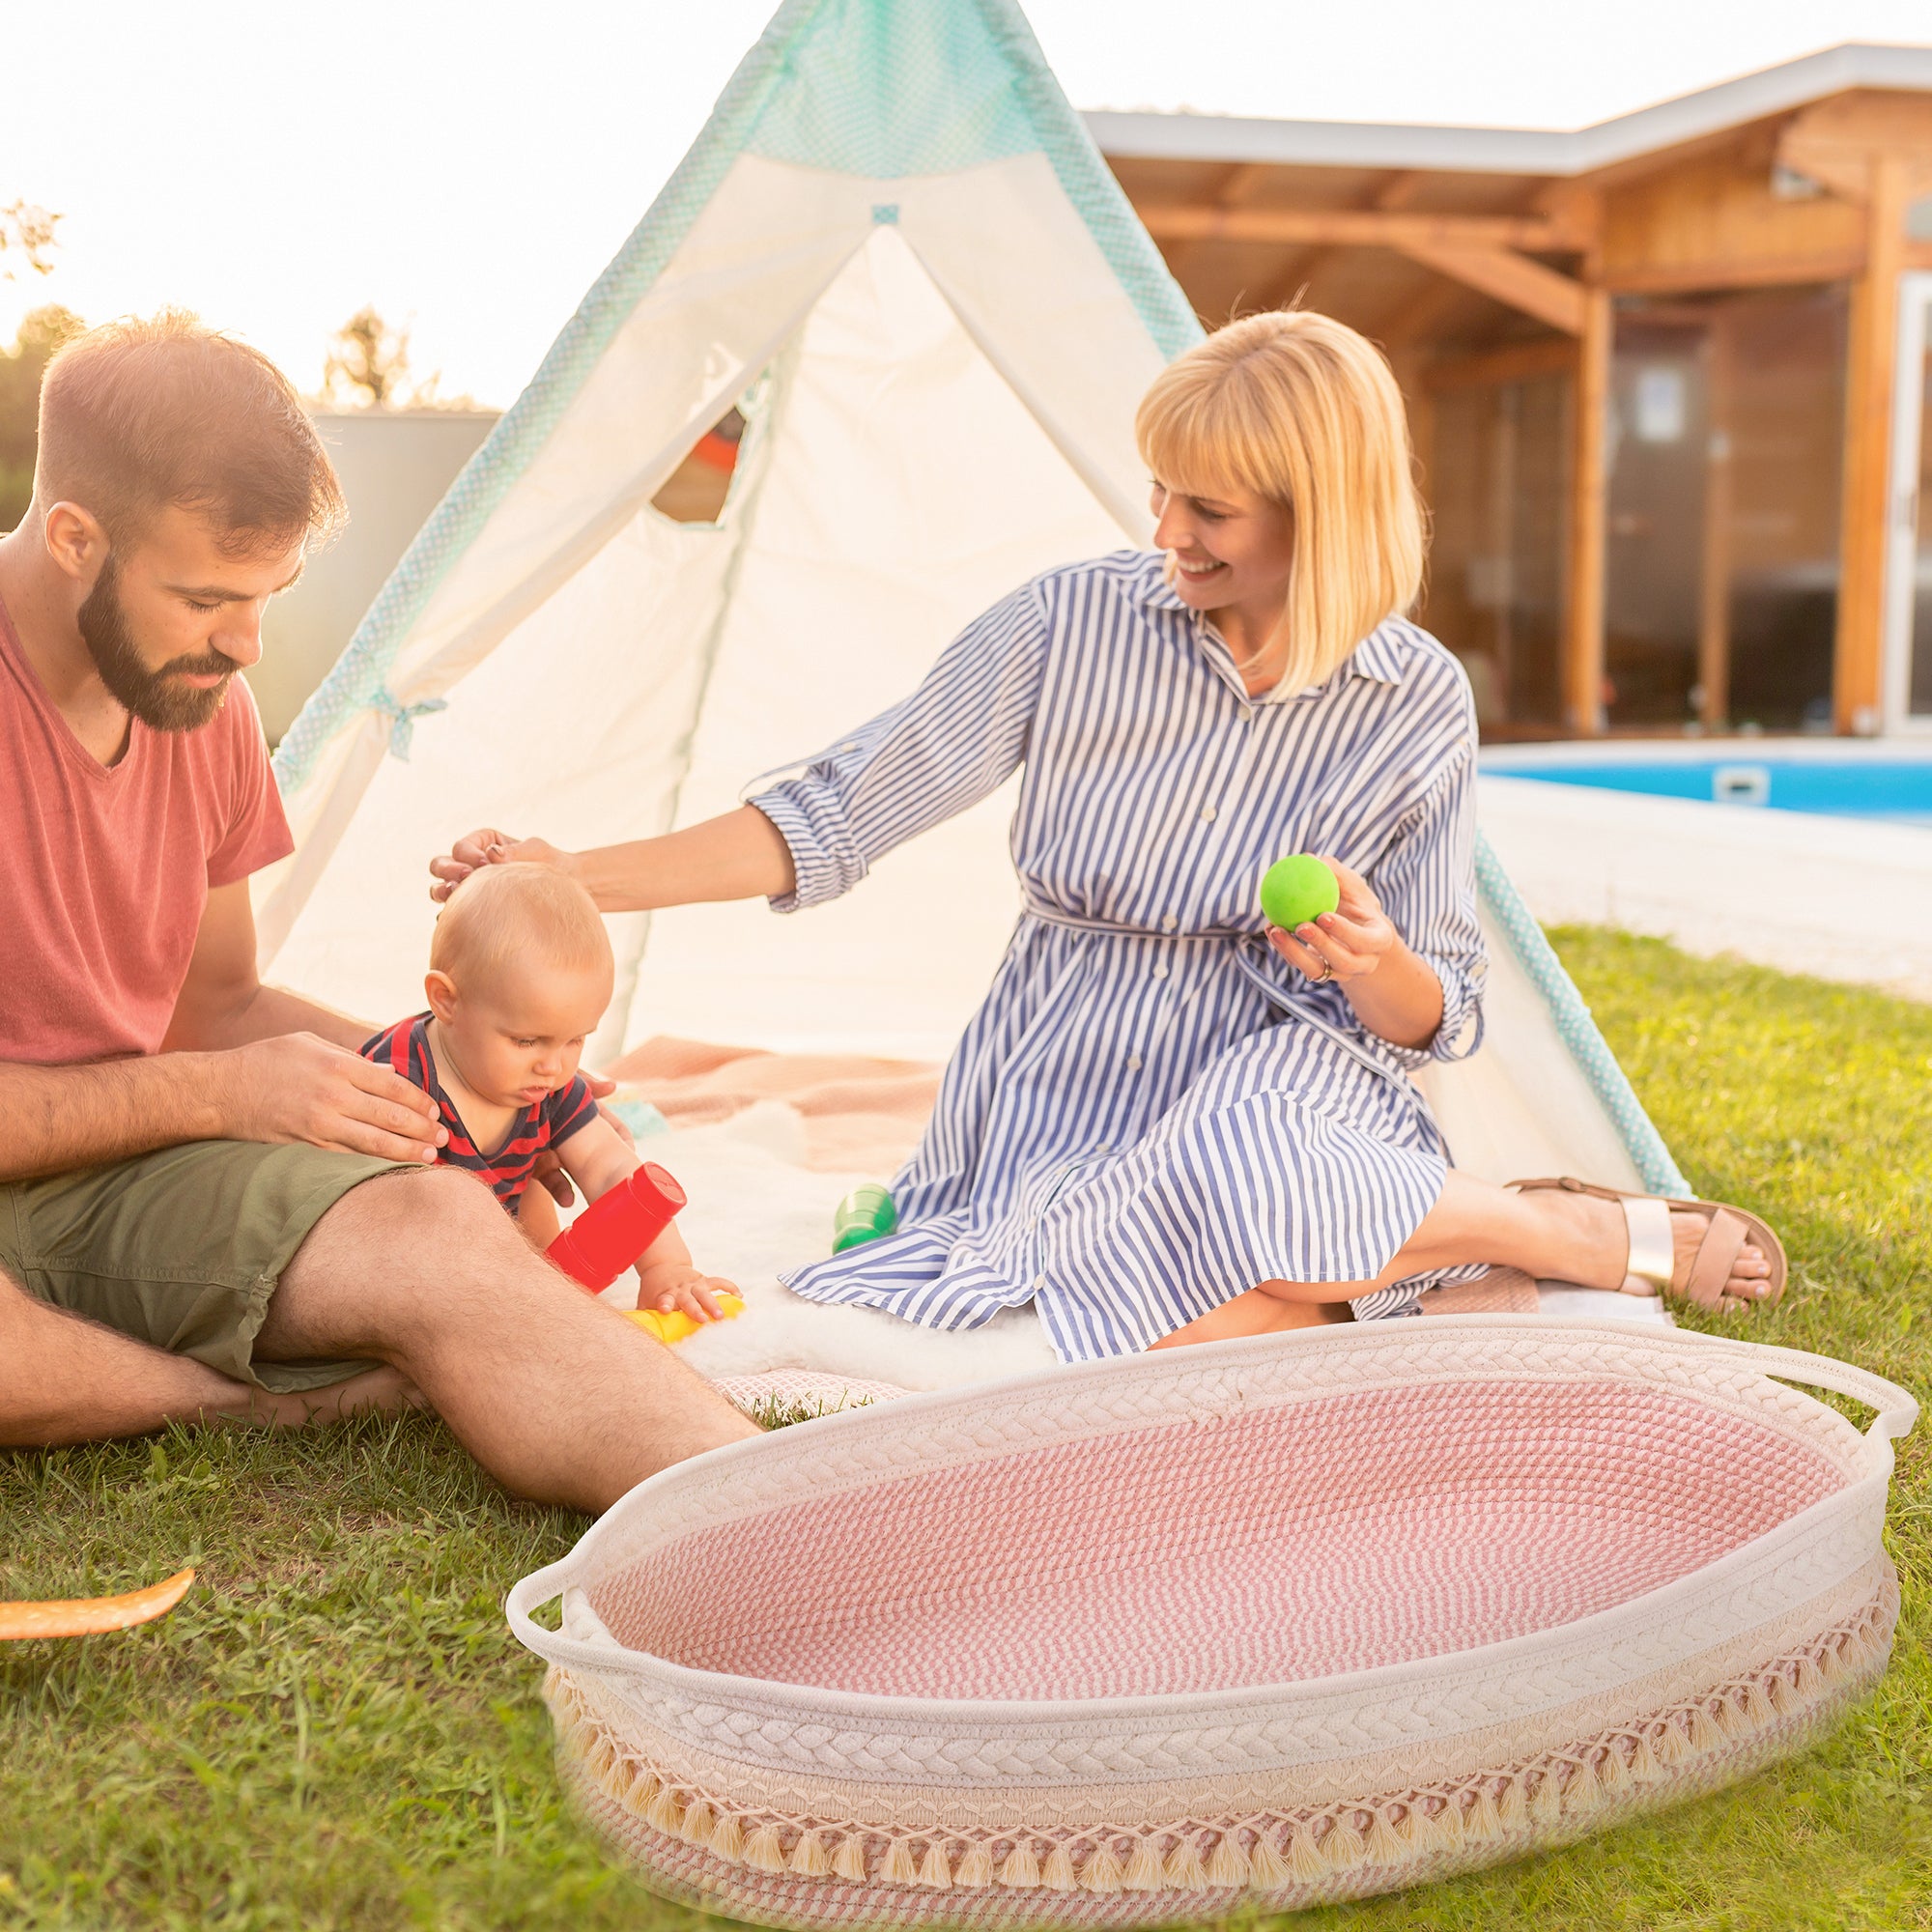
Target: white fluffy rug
<point x="754" y="1210"/>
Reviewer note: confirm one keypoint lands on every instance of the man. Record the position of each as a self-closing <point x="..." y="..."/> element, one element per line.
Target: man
<point x="210" y="1206"/>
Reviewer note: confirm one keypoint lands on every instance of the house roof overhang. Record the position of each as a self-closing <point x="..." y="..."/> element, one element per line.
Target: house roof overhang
<point x="1513" y="151"/>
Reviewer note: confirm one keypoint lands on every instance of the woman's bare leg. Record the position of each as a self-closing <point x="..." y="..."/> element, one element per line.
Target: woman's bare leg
<point x="1258" y="1313"/>
<point x="1568" y="1236"/>
<point x="1549" y="1233"/>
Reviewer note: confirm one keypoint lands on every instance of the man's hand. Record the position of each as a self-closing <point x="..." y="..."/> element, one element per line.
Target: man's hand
<point x="490" y="847"/>
<point x="678" y="1288"/>
<point x="298" y="1087"/>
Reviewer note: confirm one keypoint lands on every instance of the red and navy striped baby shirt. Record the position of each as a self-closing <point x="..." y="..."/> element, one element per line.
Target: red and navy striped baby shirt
<point x="404" y="1048"/>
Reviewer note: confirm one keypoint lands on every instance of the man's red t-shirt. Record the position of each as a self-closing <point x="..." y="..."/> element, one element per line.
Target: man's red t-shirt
<point x="104" y="870"/>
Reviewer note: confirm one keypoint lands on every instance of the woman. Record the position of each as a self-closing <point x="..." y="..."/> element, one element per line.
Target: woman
<point x="1167" y="1122"/>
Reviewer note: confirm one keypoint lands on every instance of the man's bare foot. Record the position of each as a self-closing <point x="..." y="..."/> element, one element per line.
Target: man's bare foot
<point x="384" y="1391"/>
<point x="1596" y="1232"/>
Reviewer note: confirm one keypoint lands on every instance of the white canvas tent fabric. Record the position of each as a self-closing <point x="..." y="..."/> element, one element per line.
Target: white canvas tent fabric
<point x="894" y="247"/>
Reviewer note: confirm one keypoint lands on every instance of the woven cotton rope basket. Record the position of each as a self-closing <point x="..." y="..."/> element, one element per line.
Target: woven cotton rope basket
<point x="1255" y="1623"/>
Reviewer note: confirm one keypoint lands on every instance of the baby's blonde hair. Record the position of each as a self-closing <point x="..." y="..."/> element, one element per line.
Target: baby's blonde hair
<point x="501" y="915"/>
<point x="1300" y="410"/>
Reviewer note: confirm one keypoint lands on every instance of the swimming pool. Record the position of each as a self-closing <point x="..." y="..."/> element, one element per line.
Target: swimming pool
<point x="1893" y="785"/>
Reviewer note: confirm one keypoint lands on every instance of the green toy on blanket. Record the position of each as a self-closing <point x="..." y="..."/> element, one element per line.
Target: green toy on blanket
<point x="867" y="1213"/>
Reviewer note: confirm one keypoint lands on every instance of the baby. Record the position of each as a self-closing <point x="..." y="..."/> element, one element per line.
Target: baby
<point x="520" y="973"/>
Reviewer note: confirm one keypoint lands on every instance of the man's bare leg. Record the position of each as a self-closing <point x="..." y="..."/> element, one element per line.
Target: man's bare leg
<point x="65" y="1379"/>
<point x="559" y="1397"/>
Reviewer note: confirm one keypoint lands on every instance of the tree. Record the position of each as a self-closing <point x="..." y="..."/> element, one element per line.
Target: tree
<point x="368" y="367"/>
<point x="42" y="332"/>
<point x="27" y="231"/>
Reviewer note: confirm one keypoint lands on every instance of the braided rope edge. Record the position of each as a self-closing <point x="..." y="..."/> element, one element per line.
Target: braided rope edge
<point x="1566" y="1790"/>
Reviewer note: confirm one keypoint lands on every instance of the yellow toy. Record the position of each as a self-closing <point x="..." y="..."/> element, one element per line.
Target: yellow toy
<point x="676" y="1325"/>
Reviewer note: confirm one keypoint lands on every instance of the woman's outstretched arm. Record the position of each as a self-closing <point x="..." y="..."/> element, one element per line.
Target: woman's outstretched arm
<point x="737" y="856"/>
<point x="807" y="837"/>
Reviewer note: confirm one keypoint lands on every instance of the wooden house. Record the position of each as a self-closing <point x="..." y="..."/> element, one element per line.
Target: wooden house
<point x="1668" y="376"/>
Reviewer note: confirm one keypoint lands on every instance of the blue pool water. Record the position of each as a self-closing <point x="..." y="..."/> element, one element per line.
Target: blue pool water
<point x="1888" y="788"/>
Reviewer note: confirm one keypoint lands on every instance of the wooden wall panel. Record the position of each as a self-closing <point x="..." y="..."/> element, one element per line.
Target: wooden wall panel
<point x="1711" y="221"/>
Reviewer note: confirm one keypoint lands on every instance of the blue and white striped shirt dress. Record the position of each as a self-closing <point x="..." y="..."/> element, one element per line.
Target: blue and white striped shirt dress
<point x="1152" y="1111"/>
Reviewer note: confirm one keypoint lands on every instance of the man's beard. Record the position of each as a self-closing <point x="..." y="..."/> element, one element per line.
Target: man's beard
<point x="157" y="697"/>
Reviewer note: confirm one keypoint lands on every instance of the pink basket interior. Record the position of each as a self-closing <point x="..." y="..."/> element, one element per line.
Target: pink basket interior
<point x="1269" y="1548"/>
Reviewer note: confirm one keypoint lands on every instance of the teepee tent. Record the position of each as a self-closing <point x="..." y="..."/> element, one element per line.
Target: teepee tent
<point x="896" y="250"/>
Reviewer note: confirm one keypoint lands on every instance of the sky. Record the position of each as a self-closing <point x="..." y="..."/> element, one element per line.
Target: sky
<point x="471" y="169"/>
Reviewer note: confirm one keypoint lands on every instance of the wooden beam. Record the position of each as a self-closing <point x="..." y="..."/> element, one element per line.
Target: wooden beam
<point x="1398" y="188"/>
<point x="1355" y="227"/>
<point x="1836" y="141"/>
<point x="1665" y="278"/>
<point x="1659" y="160"/>
<point x="1864" y="517"/>
<point x="1513" y="279"/>
<point x="1589" y="492"/>
<point x="1713" y="619"/>
<point x="1517" y="363"/>
<point x="1396" y="191"/>
<point x="1235" y="185"/>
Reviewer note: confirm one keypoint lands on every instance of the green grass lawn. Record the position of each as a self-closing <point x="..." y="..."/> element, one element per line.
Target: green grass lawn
<point x="336" y="1730"/>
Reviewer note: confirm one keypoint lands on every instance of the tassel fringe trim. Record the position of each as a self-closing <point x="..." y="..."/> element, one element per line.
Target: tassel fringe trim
<point x="1266" y="1852"/>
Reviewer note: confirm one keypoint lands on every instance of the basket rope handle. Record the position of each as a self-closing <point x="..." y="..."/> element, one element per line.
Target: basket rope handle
<point x="554" y="1646"/>
<point x="1897" y="1408"/>
<point x="539" y="1587"/>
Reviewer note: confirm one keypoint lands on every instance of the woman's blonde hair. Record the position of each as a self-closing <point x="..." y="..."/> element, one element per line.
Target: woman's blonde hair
<point x="1300" y="410"/>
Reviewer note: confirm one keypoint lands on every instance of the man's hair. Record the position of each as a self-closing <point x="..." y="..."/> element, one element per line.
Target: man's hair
<point x="501" y="915"/>
<point x="137" y="416"/>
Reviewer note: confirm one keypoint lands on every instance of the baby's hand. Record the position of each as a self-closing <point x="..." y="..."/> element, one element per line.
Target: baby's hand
<point x="677" y="1288"/>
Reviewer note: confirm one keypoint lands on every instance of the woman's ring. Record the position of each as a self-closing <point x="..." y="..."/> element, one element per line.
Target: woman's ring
<point x="1326" y="973"/>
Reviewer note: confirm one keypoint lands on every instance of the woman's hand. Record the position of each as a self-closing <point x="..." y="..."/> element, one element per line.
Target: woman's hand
<point x="1395" y="992"/>
<point x="490" y="847"/>
<point x="1346" y="944"/>
<point x="741" y="855"/>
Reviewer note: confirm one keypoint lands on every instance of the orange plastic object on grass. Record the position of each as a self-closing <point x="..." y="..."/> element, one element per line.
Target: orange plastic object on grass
<point x="85" y="1616"/>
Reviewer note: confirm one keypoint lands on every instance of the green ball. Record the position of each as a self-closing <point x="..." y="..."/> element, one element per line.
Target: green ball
<point x="1298" y="890"/>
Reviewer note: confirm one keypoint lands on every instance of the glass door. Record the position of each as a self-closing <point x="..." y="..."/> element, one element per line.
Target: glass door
<point x="1908" y="630"/>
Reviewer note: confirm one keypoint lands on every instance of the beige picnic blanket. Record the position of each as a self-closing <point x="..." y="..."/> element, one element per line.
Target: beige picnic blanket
<point x="861" y="1115"/>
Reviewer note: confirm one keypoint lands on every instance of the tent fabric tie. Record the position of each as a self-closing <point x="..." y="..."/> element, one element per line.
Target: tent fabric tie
<point x="403" y="728"/>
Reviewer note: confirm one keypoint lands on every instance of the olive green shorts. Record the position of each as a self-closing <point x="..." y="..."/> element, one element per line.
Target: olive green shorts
<point x="182" y="1248"/>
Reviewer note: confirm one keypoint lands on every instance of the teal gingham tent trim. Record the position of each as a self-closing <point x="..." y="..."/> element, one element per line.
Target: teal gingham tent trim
<point x="351" y="687"/>
<point x="357" y="683"/>
<point x="1579" y="1031"/>
<point x="1032" y="98"/>
<point x="1089" y="184"/>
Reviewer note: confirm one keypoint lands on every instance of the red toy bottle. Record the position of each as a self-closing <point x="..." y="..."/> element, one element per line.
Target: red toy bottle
<point x="613" y="1230"/>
